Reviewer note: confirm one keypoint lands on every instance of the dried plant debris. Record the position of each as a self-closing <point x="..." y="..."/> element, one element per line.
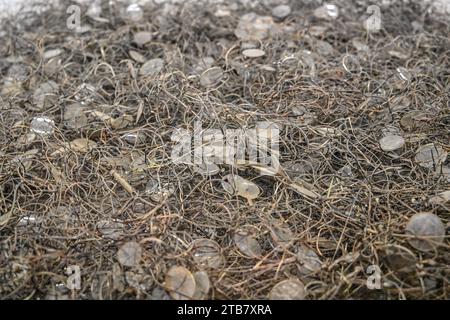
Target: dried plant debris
<point x="111" y="229"/>
<point x="225" y="150"/>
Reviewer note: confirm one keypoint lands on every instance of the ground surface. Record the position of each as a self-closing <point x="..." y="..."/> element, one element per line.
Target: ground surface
<point x="88" y="186"/>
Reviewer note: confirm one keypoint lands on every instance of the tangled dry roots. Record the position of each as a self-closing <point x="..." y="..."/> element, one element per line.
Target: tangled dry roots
<point x="55" y="200"/>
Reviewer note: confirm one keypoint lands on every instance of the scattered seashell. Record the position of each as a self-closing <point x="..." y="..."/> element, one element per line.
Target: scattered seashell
<point x="281" y="12"/>
<point x="220" y="13"/>
<point x="404" y="74"/>
<point x="291" y="289"/>
<point x="309" y="261"/>
<point x="211" y="77"/>
<point x="317" y="31"/>
<point x="202" y="285"/>
<point x="74" y="116"/>
<point x="253" y="53"/>
<point x="360" y="45"/>
<point x="414" y="119"/>
<point x="11" y="88"/>
<point x="134" y="12"/>
<point x="254" y="27"/>
<point x="142" y="37"/>
<point x="327" y="12"/>
<point x="137" y="137"/>
<point x="400" y="103"/>
<point x="443" y="172"/>
<point x="241" y="187"/>
<point x="398" y="54"/>
<point x="247" y="244"/>
<point x="129" y="254"/>
<point x="203" y="64"/>
<point x="42" y="125"/>
<point x="136" y="56"/>
<point x="227" y="186"/>
<point x="281" y="234"/>
<point x="267" y="68"/>
<point x="110" y="229"/>
<point x="399" y="258"/>
<point x="305" y="117"/>
<point x="85" y="93"/>
<point x="51" y="54"/>
<point x="152" y="67"/>
<point x="391" y="143"/>
<point x="207" y="253"/>
<point x="121" y="122"/>
<point x="324" y="48"/>
<point x="430" y="155"/>
<point x="17" y="72"/>
<point x="426" y="230"/>
<point x="28" y="220"/>
<point x="207" y="169"/>
<point x="346" y="171"/>
<point x="180" y="283"/>
<point x="82" y="145"/>
<point x="161" y="192"/>
<point x="44" y="95"/>
<point x="159" y="294"/>
<point x="441" y="198"/>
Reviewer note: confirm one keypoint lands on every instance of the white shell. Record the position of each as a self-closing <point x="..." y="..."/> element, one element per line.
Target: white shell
<point x="134" y="12"/>
<point x="253" y="53"/>
<point x="152" y="67"/>
<point x="430" y="155"/>
<point x="392" y="142"/>
<point x="42" y="125"/>
<point x="427" y="231"/>
<point x="281" y="11"/>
